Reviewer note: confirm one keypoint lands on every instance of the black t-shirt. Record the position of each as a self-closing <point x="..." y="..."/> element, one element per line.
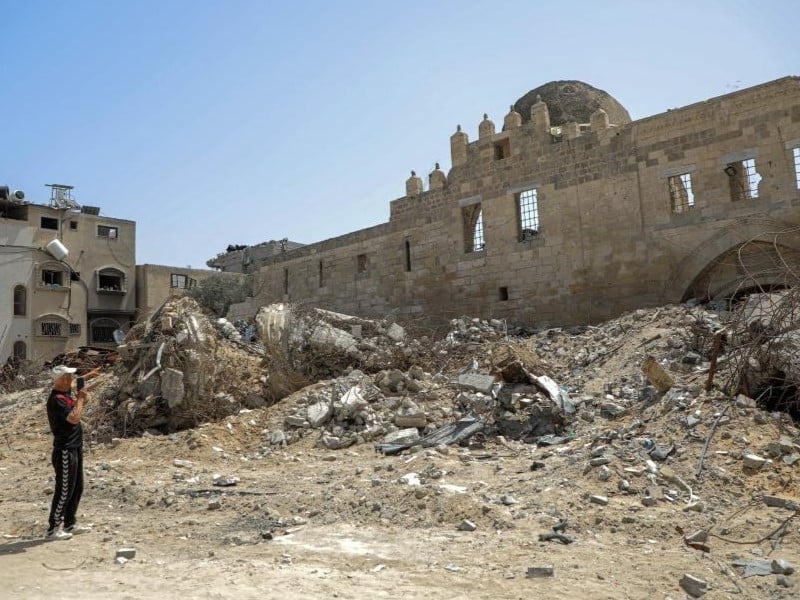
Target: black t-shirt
<point x="65" y="434"/>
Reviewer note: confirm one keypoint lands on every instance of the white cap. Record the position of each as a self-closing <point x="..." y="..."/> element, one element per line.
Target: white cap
<point x="60" y="370"/>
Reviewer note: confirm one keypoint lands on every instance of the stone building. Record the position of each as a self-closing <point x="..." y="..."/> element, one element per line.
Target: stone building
<point x="157" y="283"/>
<point x="572" y="213"/>
<point x="54" y="302"/>
<point x="248" y="259"/>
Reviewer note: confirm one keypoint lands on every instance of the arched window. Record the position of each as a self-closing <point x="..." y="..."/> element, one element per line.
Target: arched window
<point x="20" y="301"/>
<point x="102" y="330"/>
<point x="20" y="350"/>
<point x="52" y="325"/>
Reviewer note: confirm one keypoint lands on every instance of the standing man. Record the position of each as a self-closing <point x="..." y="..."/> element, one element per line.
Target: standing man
<point x="64" y="414"/>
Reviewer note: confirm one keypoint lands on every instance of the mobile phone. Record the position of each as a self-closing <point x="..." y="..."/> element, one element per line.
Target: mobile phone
<point x="80" y="383"/>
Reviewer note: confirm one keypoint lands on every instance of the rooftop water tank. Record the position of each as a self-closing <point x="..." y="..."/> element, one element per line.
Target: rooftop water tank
<point x="57" y="249"/>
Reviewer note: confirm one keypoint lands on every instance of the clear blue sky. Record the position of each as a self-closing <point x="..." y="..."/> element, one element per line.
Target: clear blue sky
<point x="239" y="121"/>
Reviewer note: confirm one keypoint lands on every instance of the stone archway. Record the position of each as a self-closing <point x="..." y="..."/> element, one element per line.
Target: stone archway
<point x="751" y="266"/>
<point x="753" y="252"/>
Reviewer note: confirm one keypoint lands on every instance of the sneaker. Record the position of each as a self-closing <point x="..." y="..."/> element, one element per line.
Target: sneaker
<point x="57" y="534"/>
<point x="77" y="529"/>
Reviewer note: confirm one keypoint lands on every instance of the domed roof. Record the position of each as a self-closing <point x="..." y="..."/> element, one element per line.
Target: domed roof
<point x="572" y="101"/>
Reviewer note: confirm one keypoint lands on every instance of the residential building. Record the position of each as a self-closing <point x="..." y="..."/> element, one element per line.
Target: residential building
<point x="67" y="273"/>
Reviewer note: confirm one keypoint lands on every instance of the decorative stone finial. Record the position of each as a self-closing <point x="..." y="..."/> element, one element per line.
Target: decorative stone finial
<point x="458" y="127"/>
<point x="437" y="166"/>
<point x="485" y="117"/>
<point x="413" y="173"/>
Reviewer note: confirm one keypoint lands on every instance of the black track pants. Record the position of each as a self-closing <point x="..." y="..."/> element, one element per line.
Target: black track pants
<point x="68" y="464"/>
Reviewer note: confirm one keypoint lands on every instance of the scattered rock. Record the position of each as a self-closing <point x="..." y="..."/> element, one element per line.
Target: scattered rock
<point x="693" y="586"/>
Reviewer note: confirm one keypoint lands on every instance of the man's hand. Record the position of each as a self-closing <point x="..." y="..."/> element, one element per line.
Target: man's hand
<point x="82" y="396"/>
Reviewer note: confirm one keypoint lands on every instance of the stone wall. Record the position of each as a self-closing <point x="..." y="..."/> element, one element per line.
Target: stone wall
<point x="608" y="238"/>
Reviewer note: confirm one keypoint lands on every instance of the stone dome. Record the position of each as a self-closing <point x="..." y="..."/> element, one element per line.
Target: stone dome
<point x="572" y="101"/>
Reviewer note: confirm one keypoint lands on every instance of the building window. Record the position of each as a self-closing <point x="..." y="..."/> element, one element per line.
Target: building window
<point x="20" y="350"/>
<point x="74" y="328"/>
<point x="102" y="331"/>
<point x="51" y="327"/>
<point x="20" y="301"/>
<point x="107" y="232"/>
<point x="321" y="281"/>
<point x="73" y="225"/>
<point x="743" y="179"/>
<point x="680" y="192"/>
<point x="361" y="263"/>
<point x="796" y="153"/>
<point x="110" y="280"/>
<point x="183" y="282"/>
<point x="502" y="149"/>
<point x="503" y="294"/>
<point x="49" y="223"/>
<point x="408" y="255"/>
<point x="472" y="216"/>
<point x="52" y="278"/>
<point x="528" y="214"/>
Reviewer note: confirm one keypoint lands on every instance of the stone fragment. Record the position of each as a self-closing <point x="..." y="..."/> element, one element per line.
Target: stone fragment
<point x="126" y="553"/>
<point x="476" y="382"/>
<point x="781" y="566"/>
<point x="776" y="501"/>
<point x="214" y="504"/>
<point x="172" y="389"/>
<point x="601" y="460"/>
<point x="753" y="462"/>
<point x="693" y="586"/>
<point x="743" y="401"/>
<point x="467" y="525"/>
<point x="396" y="333"/>
<point x="601" y="500"/>
<point x="697" y="536"/>
<point x="508" y="500"/>
<point x="410" y="417"/>
<point x="318" y="413"/>
<point x="656" y="375"/>
<point x="277" y="438"/>
<point x="295" y="421"/>
<point x="184" y="464"/>
<point x="604" y="473"/>
<point x="612" y="409"/>
<point x="543" y="571"/>
<point x="402" y="436"/>
<point x="784" y="581"/>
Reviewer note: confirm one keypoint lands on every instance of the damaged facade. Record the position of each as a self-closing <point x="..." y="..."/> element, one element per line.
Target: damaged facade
<point x="572" y="213"/>
<point x="53" y="304"/>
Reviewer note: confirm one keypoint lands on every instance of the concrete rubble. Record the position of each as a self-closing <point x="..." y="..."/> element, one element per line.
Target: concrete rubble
<point x="644" y="424"/>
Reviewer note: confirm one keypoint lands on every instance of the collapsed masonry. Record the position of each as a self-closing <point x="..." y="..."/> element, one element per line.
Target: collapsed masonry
<point x="346" y="380"/>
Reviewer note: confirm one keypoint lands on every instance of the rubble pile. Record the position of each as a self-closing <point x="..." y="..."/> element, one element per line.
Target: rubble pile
<point x="177" y="370"/>
<point x="403" y="407"/>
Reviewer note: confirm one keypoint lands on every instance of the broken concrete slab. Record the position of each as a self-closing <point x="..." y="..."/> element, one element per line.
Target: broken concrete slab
<point x="476" y="382"/>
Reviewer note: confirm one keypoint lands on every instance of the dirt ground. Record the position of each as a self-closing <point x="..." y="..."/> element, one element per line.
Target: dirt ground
<point x="303" y="522"/>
